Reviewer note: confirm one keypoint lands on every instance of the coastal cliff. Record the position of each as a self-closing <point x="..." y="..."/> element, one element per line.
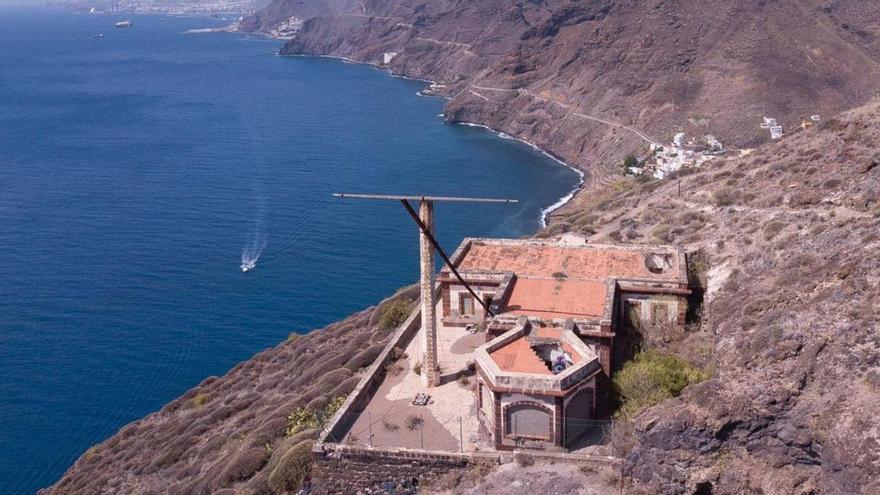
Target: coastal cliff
<point x="591" y="82"/>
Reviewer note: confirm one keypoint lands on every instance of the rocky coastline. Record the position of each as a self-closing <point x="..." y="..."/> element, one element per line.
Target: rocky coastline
<point x="594" y="83"/>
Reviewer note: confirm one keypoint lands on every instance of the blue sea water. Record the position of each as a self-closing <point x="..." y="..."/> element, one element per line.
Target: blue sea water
<point x="136" y="168"/>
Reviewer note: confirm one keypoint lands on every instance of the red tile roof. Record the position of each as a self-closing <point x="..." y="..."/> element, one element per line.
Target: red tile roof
<point x="550" y="298"/>
<point x="582" y="262"/>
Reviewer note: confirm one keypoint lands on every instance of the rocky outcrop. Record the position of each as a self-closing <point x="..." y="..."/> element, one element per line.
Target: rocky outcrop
<point x="568" y="75"/>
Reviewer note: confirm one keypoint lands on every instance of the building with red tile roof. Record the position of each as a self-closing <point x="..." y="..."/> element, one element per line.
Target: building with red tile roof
<point x="553" y="309"/>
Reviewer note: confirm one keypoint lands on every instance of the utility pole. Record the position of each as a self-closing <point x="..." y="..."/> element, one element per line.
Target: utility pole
<point x="428" y="244"/>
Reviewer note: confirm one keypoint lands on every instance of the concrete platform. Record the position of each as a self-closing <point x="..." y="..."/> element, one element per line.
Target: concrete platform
<point x="447" y="423"/>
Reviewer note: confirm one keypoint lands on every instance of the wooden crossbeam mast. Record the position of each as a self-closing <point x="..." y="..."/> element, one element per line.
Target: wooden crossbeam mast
<point x="449" y="199"/>
<point x="405" y="199"/>
<point x="427" y="232"/>
<point x="428" y="244"/>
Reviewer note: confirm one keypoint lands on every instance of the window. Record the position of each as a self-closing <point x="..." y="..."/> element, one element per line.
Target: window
<point x="632" y="314"/>
<point x="661" y="314"/>
<point x="466" y="305"/>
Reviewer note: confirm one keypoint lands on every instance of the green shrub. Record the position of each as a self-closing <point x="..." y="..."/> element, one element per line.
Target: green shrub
<point x="310" y="418"/>
<point x="630" y="161"/>
<point x="652" y="377"/>
<point x="200" y="400"/>
<point x="91" y="453"/>
<point x="662" y="233"/>
<point x="394" y="313"/>
<point x="293" y="469"/>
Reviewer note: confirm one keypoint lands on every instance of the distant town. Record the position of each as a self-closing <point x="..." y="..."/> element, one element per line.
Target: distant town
<point x="216" y="7"/>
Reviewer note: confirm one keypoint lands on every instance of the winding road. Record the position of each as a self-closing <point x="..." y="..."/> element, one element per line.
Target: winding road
<point x="638" y="132"/>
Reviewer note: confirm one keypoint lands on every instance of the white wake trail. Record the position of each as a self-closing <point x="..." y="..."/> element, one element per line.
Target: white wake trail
<point x="253" y="249"/>
<point x="251" y="253"/>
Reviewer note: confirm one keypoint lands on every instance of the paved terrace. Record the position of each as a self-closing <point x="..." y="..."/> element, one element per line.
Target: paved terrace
<point x="448" y="423"/>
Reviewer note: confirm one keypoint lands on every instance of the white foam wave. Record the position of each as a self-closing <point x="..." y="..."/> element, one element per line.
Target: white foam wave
<point x="563" y="200"/>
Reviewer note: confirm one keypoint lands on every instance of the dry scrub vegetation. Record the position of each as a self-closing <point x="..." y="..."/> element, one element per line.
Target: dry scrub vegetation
<point x="248" y="432"/>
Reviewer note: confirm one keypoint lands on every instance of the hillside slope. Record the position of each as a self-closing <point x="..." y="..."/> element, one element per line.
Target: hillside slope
<point x="227" y="435"/>
<point x="566" y="74"/>
<point x="791" y="238"/>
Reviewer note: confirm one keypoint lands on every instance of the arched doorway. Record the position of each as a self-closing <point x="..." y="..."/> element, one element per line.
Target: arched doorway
<point x="528" y="420"/>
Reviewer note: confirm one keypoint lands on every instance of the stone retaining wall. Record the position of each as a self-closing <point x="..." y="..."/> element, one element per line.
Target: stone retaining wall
<point x="348" y="469"/>
<point x="340" y="469"/>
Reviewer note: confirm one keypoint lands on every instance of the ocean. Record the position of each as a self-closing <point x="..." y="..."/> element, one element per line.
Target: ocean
<point x="137" y="168"/>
